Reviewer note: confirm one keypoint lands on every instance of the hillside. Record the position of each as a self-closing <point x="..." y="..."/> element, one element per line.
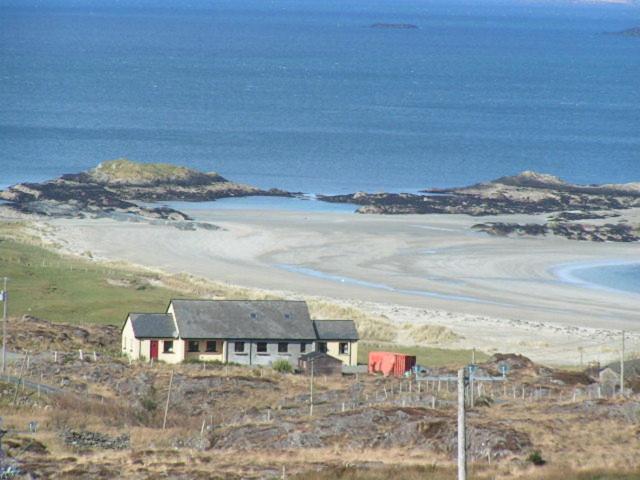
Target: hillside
<point x="102" y="414"/>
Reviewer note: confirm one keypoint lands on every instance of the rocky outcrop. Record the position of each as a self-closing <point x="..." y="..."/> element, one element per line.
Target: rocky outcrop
<point x="629" y="32"/>
<point x="620" y="232"/>
<point x="526" y="193"/>
<point x="29" y="333"/>
<point x="379" y="428"/>
<point x="578" y="215"/>
<point x="84" y="439"/>
<point x="115" y="188"/>
<point x="72" y="199"/>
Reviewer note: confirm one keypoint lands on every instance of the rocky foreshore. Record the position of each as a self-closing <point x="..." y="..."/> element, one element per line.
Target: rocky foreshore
<point x="121" y="187"/>
<point x="573" y="231"/>
<point x="526" y="193"/>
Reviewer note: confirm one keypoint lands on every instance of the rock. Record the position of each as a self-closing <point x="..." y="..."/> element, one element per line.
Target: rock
<point x="86" y="439"/>
<point x="629" y="32"/>
<point x="620" y="232"/>
<point x="580" y="215"/>
<point x="504" y="229"/>
<point x="114" y="188"/>
<point x="34" y="334"/>
<point x="512" y="360"/>
<point x="526" y="193"/>
<point x="377" y="427"/>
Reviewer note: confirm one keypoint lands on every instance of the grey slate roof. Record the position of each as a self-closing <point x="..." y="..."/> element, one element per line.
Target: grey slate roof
<point x="315" y="355"/>
<point x="153" y="325"/>
<point x="243" y="319"/>
<point x="335" y="329"/>
<point x="631" y="367"/>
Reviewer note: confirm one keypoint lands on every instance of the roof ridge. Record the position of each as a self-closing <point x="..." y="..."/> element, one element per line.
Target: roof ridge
<point x="333" y="320"/>
<point x="146" y="313"/>
<point x="232" y="300"/>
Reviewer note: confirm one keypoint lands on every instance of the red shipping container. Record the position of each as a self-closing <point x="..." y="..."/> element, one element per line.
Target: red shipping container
<point x="390" y="363"/>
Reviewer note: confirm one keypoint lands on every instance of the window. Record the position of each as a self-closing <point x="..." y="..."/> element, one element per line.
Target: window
<point x="254" y="315"/>
<point x="239" y="347"/>
<point x="322" y="347"/>
<point x="193" y="346"/>
<point x="212" y="346"/>
<point x="287" y="315"/>
<point x="261" y="347"/>
<point x="343" y="348"/>
<point x="167" y="346"/>
<point x="283" y="347"/>
<point x="303" y="347"/>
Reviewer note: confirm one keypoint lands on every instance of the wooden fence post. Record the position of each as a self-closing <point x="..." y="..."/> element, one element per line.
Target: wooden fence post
<point x="462" y="435"/>
<point x="166" y="407"/>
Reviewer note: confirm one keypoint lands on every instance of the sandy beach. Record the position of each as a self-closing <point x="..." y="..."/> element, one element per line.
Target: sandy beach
<point x="498" y="294"/>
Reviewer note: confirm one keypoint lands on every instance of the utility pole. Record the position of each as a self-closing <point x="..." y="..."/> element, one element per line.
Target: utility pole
<point x="462" y="434"/>
<point x="5" y="302"/>
<point x="622" y="367"/>
<point x="473" y="356"/>
<point x="580" y="349"/>
<point x="311" y="390"/>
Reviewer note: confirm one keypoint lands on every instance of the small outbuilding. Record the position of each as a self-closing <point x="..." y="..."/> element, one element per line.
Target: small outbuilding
<point x="391" y="363"/>
<point x="322" y="364"/>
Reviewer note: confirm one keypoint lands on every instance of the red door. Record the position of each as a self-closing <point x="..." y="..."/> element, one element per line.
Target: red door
<point x="154" y="349"/>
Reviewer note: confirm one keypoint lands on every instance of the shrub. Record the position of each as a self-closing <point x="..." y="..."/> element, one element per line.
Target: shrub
<point x="282" y="366"/>
<point x="535" y="458"/>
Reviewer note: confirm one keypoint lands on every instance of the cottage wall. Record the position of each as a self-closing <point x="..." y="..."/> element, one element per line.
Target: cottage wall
<point x="251" y="356"/>
<point x="350" y="358"/>
<point x="176" y="356"/>
<point x="130" y="344"/>
<point x="204" y="356"/>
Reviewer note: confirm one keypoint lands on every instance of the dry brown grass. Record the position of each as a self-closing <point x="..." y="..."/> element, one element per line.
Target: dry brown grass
<point x="429" y="334"/>
<point x="576" y="443"/>
<point x="370" y="327"/>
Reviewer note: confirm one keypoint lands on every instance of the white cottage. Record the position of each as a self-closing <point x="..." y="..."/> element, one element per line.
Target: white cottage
<point x="249" y="332"/>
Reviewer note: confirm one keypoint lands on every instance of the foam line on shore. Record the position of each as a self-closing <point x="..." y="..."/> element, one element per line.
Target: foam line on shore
<point x="566" y="273"/>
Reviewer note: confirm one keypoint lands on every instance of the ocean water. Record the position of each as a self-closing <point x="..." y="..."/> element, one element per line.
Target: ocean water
<point x="303" y="95"/>
<point x="615" y="276"/>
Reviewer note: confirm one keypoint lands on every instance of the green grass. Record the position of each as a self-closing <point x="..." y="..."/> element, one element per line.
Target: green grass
<point x="63" y="289"/>
<point x="124" y="170"/>
<point x="425" y="356"/>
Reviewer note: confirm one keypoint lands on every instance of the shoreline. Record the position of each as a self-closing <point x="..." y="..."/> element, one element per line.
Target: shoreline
<point x="527" y="310"/>
<point x="565" y="272"/>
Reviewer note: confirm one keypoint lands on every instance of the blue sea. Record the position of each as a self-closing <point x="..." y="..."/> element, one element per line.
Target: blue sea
<point x="304" y="95"/>
<point x="612" y="276"/>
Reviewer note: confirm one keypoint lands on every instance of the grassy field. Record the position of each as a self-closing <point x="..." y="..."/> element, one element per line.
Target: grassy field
<point x="63" y="289"/>
<point x="426" y="356"/>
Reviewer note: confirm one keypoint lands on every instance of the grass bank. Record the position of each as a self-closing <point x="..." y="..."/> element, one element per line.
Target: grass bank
<point x="65" y="289"/>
